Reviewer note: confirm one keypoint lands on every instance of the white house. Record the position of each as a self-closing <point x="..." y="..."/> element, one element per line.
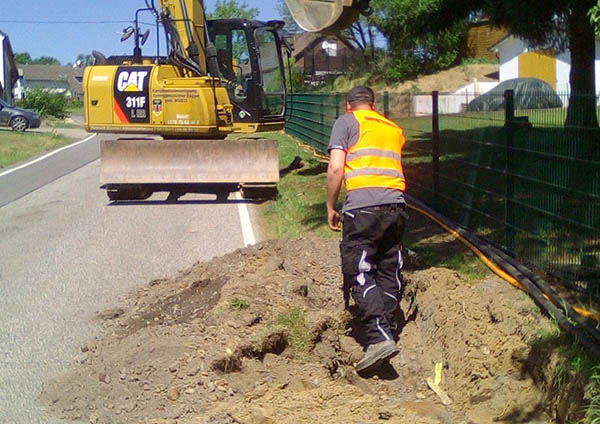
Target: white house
<point x="518" y="59"/>
<point x="8" y="69"/>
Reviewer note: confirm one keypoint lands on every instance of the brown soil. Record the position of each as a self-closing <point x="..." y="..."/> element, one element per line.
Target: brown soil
<point x="205" y="347"/>
<point x="451" y="79"/>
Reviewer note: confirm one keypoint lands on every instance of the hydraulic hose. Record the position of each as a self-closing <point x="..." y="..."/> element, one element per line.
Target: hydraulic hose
<point x="519" y="276"/>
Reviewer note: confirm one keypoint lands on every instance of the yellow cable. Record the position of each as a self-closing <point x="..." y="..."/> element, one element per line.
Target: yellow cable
<point x="495" y="268"/>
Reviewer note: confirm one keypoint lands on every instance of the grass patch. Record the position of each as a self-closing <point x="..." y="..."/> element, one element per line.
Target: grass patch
<point x="237" y="304"/>
<point x="293" y="324"/>
<point x="299" y="337"/>
<point x="436" y="248"/>
<point x="459" y="260"/>
<point x="16" y="147"/>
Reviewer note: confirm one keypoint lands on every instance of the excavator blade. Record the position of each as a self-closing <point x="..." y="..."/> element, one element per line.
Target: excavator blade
<point x="323" y="15"/>
<point x="147" y="161"/>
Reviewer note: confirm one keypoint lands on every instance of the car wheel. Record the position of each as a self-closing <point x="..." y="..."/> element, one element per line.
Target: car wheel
<point x="19" y="123"/>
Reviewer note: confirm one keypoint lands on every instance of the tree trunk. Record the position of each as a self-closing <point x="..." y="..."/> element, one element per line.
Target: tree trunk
<point x="372" y="42"/>
<point x="582" y="110"/>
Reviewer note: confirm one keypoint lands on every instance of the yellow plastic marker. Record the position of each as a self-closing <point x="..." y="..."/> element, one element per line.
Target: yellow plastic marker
<point x="438" y="373"/>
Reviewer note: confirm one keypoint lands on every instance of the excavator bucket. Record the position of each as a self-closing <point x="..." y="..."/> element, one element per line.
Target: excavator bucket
<point x="147" y="161"/>
<point x="323" y="15"/>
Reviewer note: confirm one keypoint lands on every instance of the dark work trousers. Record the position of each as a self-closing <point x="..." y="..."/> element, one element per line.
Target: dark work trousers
<point x="371" y="251"/>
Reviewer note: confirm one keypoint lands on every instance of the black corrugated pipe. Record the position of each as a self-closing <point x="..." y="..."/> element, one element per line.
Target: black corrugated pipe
<point x="520" y="276"/>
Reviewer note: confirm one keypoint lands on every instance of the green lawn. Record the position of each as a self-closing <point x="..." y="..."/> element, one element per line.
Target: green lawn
<point x="16" y="147"/>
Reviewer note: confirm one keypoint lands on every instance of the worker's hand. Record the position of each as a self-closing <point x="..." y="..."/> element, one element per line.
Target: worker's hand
<point x="333" y="219"/>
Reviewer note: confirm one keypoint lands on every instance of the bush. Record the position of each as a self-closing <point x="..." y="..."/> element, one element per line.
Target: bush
<point x="46" y="103"/>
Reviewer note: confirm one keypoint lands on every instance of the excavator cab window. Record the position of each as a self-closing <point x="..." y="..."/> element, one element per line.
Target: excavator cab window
<point x="234" y="67"/>
<point x="269" y="53"/>
<point x="251" y="67"/>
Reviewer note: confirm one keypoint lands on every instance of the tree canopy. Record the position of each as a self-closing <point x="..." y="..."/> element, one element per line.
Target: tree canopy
<point x="22" y="58"/>
<point x="417" y="49"/>
<point x="25" y="59"/>
<point x="227" y="9"/>
<point x="595" y="17"/>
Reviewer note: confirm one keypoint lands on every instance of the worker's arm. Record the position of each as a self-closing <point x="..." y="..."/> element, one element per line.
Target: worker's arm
<point x="335" y="175"/>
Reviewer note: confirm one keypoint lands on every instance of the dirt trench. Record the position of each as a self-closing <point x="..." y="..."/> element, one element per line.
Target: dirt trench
<point x="260" y="336"/>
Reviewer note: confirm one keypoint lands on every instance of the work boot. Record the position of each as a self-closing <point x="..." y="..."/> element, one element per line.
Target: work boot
<point x="376" y="354"/>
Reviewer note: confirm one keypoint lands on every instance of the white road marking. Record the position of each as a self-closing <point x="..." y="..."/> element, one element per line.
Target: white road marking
<point x="10" y="171"/>
<point x="247" y="231"/>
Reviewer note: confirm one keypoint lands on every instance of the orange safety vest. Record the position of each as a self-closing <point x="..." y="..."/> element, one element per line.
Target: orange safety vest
<point x="376" y="158"/>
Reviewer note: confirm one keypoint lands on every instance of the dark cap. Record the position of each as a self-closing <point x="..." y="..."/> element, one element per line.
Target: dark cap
<point x="361" y="94"/>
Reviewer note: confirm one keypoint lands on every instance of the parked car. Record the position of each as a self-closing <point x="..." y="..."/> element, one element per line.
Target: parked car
<point x="18" y="119"/>
<point x="530" y="93"/>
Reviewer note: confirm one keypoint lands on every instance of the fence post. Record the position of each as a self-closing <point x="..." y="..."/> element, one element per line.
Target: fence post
<point x="435" y="148"/>
<point x="509" y="129"/>
<point x="290" y="106"/>
<point x="322" y="114"/>
<point x="337" y="105"/>
<point x="386" y="104"/>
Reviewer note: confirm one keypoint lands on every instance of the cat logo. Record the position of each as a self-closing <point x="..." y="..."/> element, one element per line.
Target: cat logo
<point x="133" y="81"/>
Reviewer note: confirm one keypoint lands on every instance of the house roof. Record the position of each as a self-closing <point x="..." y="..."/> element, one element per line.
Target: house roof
<point x="50" y="72"/>
<point x="501" y="42"/>
<point x="307" y="40"/>
<point x="54" y="73"/>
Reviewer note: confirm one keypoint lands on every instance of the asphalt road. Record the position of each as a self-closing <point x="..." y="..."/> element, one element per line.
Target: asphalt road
<point x="67" y="254"/>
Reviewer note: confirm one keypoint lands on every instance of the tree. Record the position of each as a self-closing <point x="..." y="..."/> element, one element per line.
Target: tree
<point x="25" y="58"/>
<point x="45" y="60"/>
<point x="362" y="35"/>
<point x="290" y="24"/>
<point x="22" y="58"/>
<point x="541" y="23"/>
<point x="417" y="49"/>
<point x="595" y="17"/>
<point x="227" y="9"/>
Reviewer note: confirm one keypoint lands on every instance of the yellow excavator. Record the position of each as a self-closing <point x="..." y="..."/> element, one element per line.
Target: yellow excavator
<point x="217" y="78"/>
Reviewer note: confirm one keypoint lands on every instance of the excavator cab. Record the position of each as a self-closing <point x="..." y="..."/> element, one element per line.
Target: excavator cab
<point x="251" y="68"/>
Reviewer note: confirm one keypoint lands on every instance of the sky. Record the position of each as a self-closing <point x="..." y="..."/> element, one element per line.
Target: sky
<point x="21" y="20"/>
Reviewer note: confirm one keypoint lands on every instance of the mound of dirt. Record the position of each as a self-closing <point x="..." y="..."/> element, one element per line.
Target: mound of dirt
<point x="260" y="336"/>
<point x="451" y="79"/>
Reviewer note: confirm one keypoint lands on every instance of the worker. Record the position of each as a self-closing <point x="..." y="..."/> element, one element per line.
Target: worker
<point x="365" y="153"/>
<point x="225" y="65"/>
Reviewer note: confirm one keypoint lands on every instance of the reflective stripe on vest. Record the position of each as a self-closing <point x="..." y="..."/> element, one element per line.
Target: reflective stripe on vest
<point x="375" y="161"/>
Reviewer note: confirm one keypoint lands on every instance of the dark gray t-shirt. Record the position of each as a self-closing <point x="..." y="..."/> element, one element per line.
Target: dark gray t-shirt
<point x="345" y="134"/>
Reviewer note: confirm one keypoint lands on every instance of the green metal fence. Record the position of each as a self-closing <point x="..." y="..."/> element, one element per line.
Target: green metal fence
<point x="311" y="117"/>
<point x="520" y="178"/>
